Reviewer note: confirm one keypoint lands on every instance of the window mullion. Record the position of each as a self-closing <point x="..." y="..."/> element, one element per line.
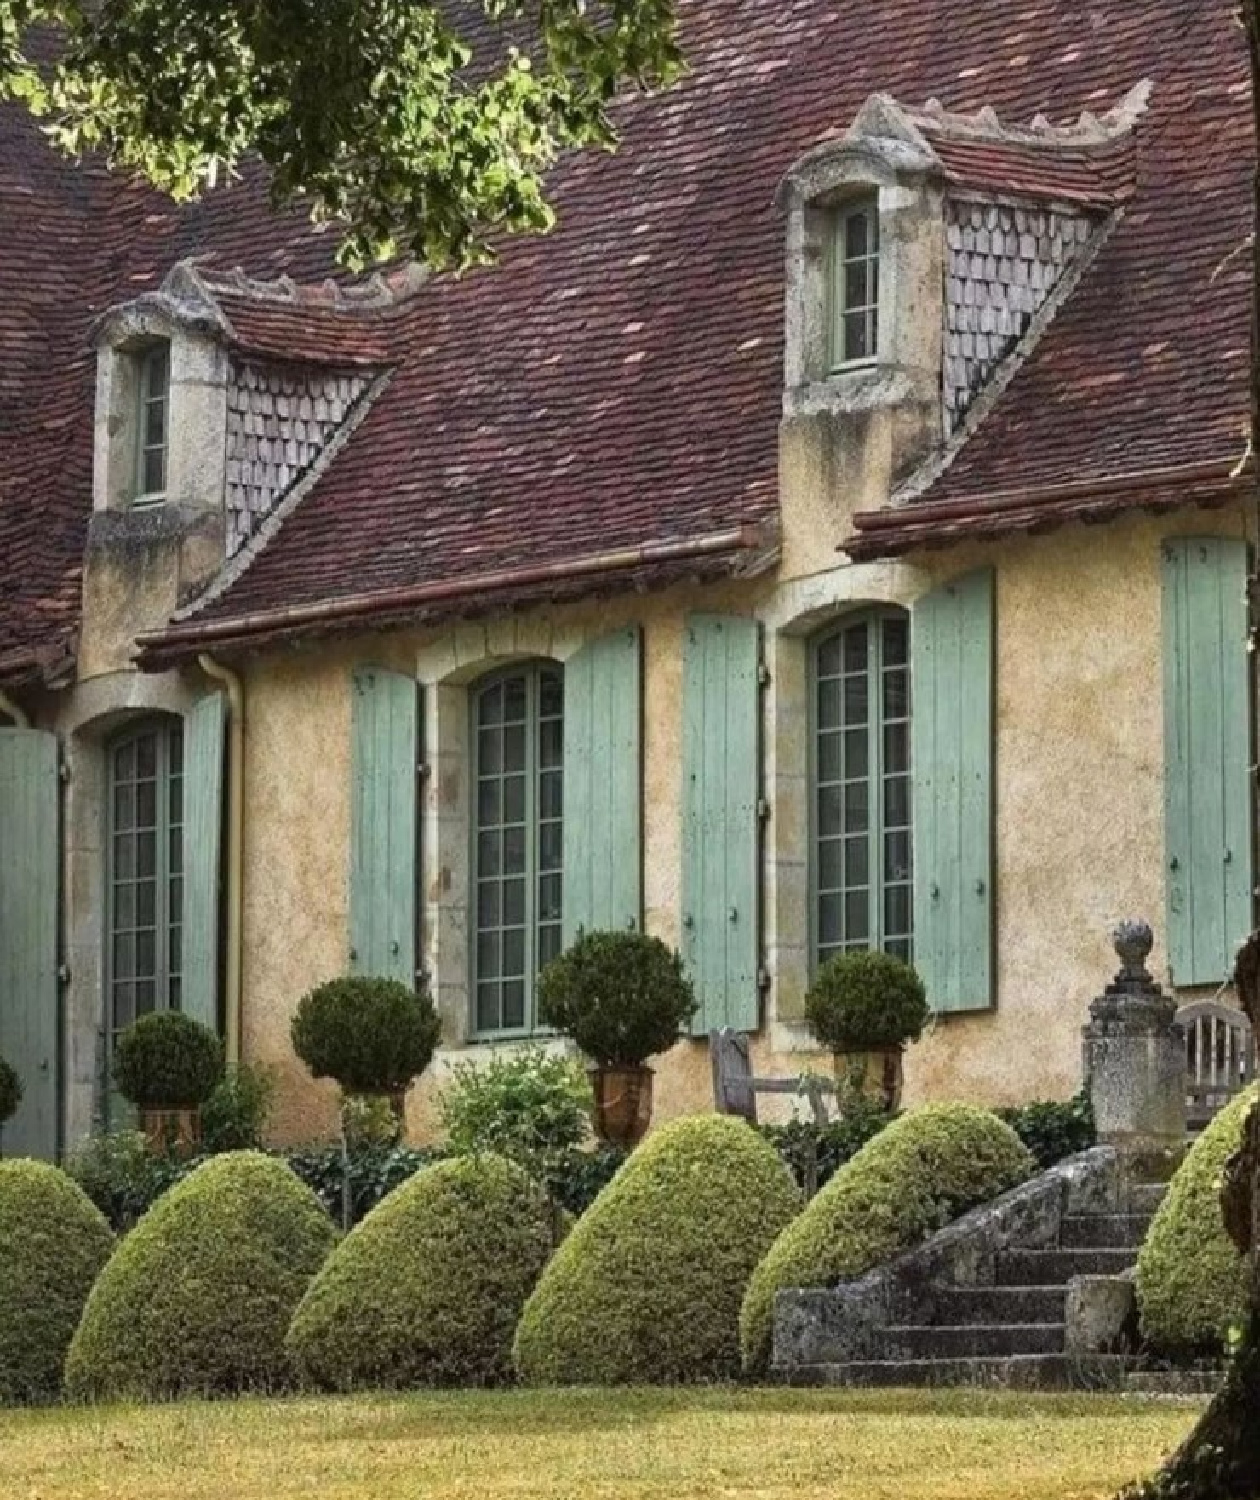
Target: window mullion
<point x="533" y="694"/>
<point x="162" y="873"/>
<point x="875" y="759"/>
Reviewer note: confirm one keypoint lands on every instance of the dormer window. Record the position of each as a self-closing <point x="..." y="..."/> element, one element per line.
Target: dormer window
<point x="152" y="422"/>
<point x="854" y="319"/>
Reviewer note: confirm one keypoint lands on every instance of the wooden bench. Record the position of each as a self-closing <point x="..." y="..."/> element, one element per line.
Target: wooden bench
<point x="1220" y="1057"/>
<point x="735" y="1087"/>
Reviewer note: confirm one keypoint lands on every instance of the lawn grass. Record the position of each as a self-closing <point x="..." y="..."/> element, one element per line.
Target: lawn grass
<point x="586" y="1445"/>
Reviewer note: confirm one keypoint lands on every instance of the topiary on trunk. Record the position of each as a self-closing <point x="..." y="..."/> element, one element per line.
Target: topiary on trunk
<point x="427" y="1290"/>
<point x="370" y="1035"/>
<point x="53" y="1243"/>
<point x="197" y="1299"/>
<point x="166" y="1058"/>
<point x="647" y="1287"/>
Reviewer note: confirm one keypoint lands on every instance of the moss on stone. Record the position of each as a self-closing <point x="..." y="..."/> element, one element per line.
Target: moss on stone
<point x="198" y="1298"/>
<point x="647" y="1288"/>
<point x="1191" y="1282"/>
<point x="926" y="1168"/>
<point x="53" y="1243"/>
<point x="428" y="1289"/>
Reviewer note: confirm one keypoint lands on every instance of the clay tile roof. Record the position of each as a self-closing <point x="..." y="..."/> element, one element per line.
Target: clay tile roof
<point x="1092" y="177"/>
<point x="617" y="385"/>
<point x="303" y="329"/>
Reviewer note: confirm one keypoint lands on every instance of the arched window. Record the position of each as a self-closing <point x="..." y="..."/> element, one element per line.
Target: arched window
<point x="518" y="804"/>
<point x="144" y="862"/>
<point x="862" y="883"/>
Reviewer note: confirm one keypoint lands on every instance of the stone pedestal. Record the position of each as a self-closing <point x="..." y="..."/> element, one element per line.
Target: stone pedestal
<point x="1135" y="1059"/>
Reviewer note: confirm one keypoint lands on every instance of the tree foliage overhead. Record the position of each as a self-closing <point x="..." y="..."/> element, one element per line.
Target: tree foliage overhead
<point x="422" y="127"/>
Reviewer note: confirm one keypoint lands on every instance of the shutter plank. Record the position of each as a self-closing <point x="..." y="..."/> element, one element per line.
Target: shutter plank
<point x="29" y="893"/>
<point x="1207" y="751"/>
<point x="385" y="753"/>
<point x="952" y="756"/>
<point x="721" y="776"/>
<point x="204" y="727"/>
<point x="603" y="839"/>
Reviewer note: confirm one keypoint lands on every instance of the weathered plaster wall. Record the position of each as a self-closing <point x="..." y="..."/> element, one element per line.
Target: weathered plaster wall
<point x="1078" y="795"/>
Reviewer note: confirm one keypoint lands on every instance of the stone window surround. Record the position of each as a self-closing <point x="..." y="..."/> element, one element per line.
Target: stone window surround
<point x="906" y="365"/>
<point x="196" y="411"/>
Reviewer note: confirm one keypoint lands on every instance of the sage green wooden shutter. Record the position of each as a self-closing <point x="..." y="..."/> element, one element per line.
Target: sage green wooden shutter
<point x="29" y="888"/>
<point x="951" y="658"/>
<point x="721" y="827"/>
<point x="385" y="757"/>
<point x="603" y="838"/>
<point x="204" y="727"/>
<point x="1207" y="756"/>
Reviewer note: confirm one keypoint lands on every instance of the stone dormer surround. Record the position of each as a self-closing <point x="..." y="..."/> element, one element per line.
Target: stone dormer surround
<point x="985" y="229"/>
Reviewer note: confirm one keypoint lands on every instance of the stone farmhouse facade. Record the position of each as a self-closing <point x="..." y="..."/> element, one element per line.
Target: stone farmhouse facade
<point x="834" y="533"/>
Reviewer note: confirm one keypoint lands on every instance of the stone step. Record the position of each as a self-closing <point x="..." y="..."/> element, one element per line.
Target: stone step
<point x="998" y="1304"/>
<point x="969" y="1341"/>
<point x="1050" y="1267"/>
<point x="1103" y="1231"/>
<point x="1145" y="1197"/>
<point x="1016" y="1372"/>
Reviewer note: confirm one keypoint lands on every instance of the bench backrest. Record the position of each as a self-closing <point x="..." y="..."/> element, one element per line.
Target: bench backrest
<point x="1220" y="1057"/>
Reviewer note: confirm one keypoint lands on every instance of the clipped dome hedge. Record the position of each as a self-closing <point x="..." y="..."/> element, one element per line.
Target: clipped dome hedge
<point x="1191" y="1281"/>
<point x="198" y="1297"/>
<point x="647" y="1287"/>
<point x="926" y="1168"/>
<point x="53" y="1243"/>
<point x="427" y="1290"/>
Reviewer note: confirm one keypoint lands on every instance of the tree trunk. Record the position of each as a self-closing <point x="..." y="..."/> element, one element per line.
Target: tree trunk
<point x="1220" y="1460"/>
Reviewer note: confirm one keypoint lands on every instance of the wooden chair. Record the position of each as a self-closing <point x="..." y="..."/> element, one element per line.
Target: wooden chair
<point x="1220" y="1057"/>
<point x="735" y="1088"/>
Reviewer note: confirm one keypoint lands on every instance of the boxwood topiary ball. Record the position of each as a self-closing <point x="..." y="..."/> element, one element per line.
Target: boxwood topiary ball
<point x="198" y="1297"/>
<point x="647" y="1287"/>
<point x="372" y="1036"/>
<point x="924" y="1169"/>
<point x="167" y="1058"/>
<point x="1191" y="1280"/>
<point x="866" y="1001"/>
<point x="428" y="1289"/>
<point x="53" y="1243"/>
<point x="10" y="1091"/>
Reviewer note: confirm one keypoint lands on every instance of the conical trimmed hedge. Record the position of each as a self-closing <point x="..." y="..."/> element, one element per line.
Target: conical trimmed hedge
<point x="53" y="1243"/>
<point x="427" y="1290"/>
<point x="198" y="1298"/>
<point x="926" y="1168"/>
<point x="647" y="1288"/>
<point x="1191" y="1281"/>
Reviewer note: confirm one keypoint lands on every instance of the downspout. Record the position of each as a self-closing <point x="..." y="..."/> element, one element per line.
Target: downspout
<point x="7" y="706"/>
<point x="236" y="837"/>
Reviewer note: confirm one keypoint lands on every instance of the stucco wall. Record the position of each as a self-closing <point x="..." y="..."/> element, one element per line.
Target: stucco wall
<point x="1078" y="796"/>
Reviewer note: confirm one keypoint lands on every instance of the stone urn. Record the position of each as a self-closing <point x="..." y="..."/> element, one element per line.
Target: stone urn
<point x="623" y="1104"/>
<point x="872" y="1075"/>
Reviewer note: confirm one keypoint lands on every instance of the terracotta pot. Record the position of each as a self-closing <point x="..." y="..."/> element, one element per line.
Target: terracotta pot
<point x="172" y="1127"/>
<point x="623" y="1104"/>
<point x="875" y="1076"/>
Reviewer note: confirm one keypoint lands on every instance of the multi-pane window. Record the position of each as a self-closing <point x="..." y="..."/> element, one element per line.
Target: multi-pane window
<point x="855" y="283"/>
<point x="144" y="866"/>
<point x="518" y="792"/>
<point x="862" y="885"/>
<point x="152" y="422"/>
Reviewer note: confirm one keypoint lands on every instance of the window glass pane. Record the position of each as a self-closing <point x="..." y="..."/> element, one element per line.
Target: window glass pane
<point x="487" y="1006"/>
<point x="855" y="284"/>
<point x="514" y="694"/>
<point x="857" y="335"/>
<point x="153" y="473"/>
<point x="896" y="747"/>
<point x="488" y="854"/>
<point x="490" y="752"/>
<point x="856" y="806"/>
<point x="857" y="855"/>
<point x="856" y="916"/>
<point x="897" y="801"/>
<point x="857" y="751"/>
<point x="855" y="649"/>
<point x="487" y="904"/>
<point x="514" y="799"/>
<point x="856" y="228"/>
<point x="514" y="1005"/>
<point x="829" y="864"/>
<point x="828" y="757"/>
<point x="829" y="656"/>
<point x="896" y="695"/>
<point x="514" y="902"/>
<point x="896" y="642"/>
<point x="856" y="697"/>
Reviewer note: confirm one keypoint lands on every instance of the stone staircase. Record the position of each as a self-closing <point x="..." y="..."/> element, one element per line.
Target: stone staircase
<point x="1008" y="1325"/>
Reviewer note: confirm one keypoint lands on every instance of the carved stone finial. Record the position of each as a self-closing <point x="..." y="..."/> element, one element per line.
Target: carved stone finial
<point x="1133" y="941"/>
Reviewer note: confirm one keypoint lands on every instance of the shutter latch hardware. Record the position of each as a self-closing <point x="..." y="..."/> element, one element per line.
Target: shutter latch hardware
<point x="763" y="808"/>
<point x="763" y="674"/>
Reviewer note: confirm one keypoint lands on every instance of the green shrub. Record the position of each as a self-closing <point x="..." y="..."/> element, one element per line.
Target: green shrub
<point x="530" y="1107"/>
<point x="198" y="1297"/>
<point x="1053" y="1130"/>
<point x="818" y="1152"/>
<point x="53" y="1243"/>
<point x="123" y="1176"/>
<point x="1191" y="1281"/>
<point x="621" y="996"/>
<point x="10" y="1091"/>
<point x="647" y="1287"/>
<point x="865" y="1001"/>
<point x="926" y="1168"/>
<point x="234" y="1117"/>
<point x="373" y="1036"/>
<point x="167" y="1058"/>
<point x="428" y="1289"/>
